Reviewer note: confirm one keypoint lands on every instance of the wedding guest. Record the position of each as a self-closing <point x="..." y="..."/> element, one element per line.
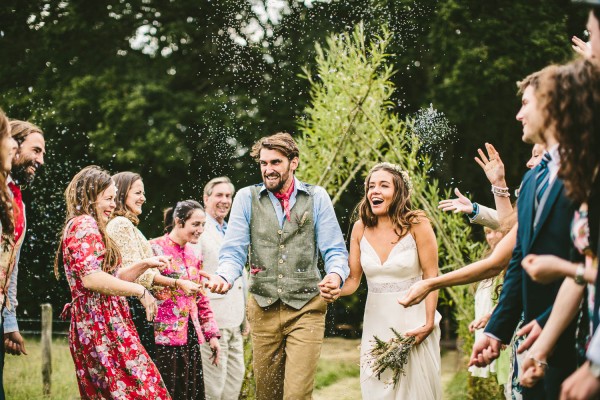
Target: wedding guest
<point x="544" y="214"/>
<point x="222" y="381"/>
<point x="28" y="159"/>
<point x="395" y="246"/>
<point x="184" y="321"/>
<point x="284" y="223"/>
<point x="110" y="362"/>
<point x="8" y="149"/>
<point x="138" y="262"/>
<point x="579" y="137"/>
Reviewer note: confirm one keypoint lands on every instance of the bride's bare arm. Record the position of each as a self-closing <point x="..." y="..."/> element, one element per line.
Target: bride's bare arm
<point x="356" y="270"/>
<point x="428" y="258"/>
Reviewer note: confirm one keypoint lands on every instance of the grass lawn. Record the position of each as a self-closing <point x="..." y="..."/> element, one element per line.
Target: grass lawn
<point x="23" y="374"/>
<point x="337" y="373"/>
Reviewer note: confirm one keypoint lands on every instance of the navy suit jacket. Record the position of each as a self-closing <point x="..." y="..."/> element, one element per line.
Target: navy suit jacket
<point x="520" y="294"/>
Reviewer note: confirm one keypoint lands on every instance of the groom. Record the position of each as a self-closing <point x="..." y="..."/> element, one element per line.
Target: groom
<point x="284" y="223"/>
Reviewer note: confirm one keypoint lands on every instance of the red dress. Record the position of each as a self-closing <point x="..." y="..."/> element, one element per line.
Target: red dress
<point x="110" y="361"/>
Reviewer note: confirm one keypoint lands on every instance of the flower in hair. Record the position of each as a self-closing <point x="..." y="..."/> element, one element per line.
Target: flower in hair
<point x="403" y="173"/>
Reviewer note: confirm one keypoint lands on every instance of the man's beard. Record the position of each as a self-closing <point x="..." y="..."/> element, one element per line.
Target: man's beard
<point x="20" y="173"/>
<point x="278" y="186"/>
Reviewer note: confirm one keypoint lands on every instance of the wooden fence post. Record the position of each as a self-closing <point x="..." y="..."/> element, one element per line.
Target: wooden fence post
<point x="46" y="347"/>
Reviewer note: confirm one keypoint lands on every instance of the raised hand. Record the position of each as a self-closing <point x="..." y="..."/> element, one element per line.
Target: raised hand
<point x="581" y="47"/>
<point x="485" y="350"/>
<point x="416" y="294"/>
<point x="460" y="204"/>
<point x="492" y="165"/>
<point x="330" y="287"/>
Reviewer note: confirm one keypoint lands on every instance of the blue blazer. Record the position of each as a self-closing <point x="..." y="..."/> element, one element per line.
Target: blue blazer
<point x="520" y="294"/>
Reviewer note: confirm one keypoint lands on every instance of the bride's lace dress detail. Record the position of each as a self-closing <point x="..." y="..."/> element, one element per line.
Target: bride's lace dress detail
<point x="387" y="282"/>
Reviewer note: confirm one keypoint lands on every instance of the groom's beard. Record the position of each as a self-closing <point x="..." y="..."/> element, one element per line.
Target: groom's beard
<point x="276" y="186"/>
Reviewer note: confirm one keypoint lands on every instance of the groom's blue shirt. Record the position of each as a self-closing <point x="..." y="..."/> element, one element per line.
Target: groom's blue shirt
<point x="328" y="235"/>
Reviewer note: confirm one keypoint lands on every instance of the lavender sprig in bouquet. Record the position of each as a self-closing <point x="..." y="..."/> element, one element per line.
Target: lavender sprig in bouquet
<point x="391" y="354"/>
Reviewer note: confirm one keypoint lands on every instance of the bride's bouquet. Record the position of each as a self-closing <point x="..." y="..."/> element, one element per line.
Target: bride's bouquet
<point x="392" y="355"/>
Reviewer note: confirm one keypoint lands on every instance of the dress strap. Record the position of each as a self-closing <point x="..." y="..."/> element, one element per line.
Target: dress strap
<point x="393" y="287"/>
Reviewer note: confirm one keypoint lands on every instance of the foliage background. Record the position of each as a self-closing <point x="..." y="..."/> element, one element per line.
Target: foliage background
<point x="179" y="90"/>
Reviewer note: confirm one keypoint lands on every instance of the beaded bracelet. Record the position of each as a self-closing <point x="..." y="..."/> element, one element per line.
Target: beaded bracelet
<point x="500" y="191"/>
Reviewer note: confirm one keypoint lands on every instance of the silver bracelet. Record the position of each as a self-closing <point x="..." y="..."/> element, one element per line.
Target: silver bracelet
<point x="500" y="191"/>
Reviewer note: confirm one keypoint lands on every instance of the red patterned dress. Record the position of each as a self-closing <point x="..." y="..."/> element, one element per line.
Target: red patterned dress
<point x="110" y="362"/>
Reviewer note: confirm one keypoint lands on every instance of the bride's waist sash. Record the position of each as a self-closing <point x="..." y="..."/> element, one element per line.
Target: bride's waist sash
<point x="392" y="287"/>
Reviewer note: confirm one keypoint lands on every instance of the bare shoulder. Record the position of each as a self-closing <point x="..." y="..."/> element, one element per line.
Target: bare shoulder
<point x="421" y="225"/>
<point x="358" y="229"/>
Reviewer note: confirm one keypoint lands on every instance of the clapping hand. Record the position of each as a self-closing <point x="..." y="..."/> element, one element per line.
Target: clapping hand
<point x="460" y="204"/>
<point x="492" y="165"/>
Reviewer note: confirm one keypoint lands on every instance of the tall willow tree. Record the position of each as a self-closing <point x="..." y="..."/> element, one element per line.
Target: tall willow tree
<point x="350" y="125"/>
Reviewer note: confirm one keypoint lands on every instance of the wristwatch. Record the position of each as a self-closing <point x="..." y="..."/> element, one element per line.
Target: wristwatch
<point x="579" y="279"/>
<point x="595" y="369"/>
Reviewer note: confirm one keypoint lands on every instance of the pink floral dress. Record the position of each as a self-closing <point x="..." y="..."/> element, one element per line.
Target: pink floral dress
<point x="175" y="308"/>
<point x="110" y="362"/>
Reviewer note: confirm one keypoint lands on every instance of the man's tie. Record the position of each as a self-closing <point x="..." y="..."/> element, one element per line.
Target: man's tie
<point x="542" y="178"/>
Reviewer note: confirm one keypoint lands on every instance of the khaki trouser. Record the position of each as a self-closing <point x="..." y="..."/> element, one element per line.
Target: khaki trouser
<point x="224" y="382"/>
<point x="286" y="347"/>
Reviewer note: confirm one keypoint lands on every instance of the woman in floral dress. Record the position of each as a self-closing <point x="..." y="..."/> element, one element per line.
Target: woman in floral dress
<point x="110" y="361"/>
<point x="184" y="322"/>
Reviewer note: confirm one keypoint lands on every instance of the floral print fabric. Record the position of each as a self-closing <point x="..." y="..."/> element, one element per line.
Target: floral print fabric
<point x="110" y="362"/>
<point x="175" y="308"/>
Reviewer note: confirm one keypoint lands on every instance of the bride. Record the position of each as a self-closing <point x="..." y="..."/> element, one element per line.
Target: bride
<point x="395" y="246"/>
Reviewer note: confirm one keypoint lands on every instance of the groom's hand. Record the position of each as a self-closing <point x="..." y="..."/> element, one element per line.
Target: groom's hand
<point x="330" y="287"/>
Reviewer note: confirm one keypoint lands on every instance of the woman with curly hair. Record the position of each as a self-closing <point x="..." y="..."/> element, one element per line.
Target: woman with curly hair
<point x="110" y="361"/>
<point x="395" y="246"/>
<point x="571" y="102"/>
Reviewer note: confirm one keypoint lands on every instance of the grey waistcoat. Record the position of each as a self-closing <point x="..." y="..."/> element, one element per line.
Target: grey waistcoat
<point x="283" y="261"/>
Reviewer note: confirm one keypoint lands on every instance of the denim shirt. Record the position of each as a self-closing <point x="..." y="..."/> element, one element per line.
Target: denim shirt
<point x="328" y="235"/>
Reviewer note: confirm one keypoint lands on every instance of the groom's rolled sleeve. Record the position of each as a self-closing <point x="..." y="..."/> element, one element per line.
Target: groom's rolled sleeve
<point x="234" y="252"/>
<point x="329" y="236"/>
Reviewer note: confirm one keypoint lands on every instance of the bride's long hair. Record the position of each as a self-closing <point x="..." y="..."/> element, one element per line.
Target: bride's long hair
<point x="400" y="211"/>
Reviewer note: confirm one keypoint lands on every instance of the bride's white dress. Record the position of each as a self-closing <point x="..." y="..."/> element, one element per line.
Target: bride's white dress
<point x="387" y="282"/>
